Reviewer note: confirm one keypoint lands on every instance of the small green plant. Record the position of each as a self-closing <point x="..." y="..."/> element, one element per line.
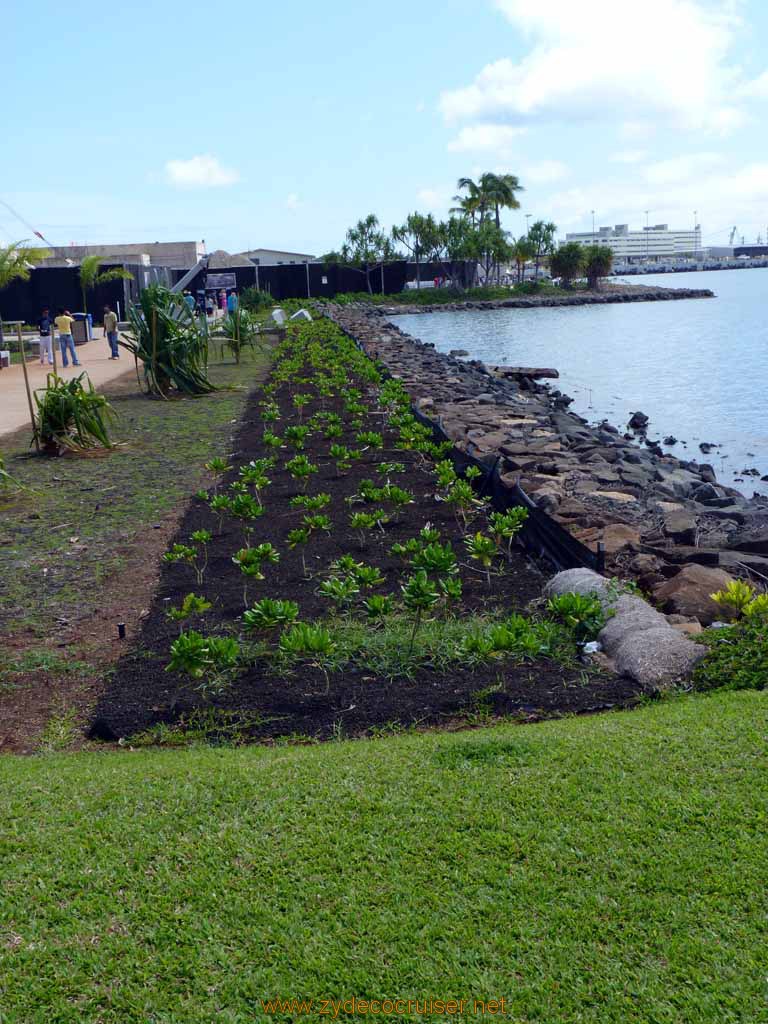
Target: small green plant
<point x="271" y="440"/>
<point x="737" y="658"/>
<point x="390" y="468"/>
<point x="451" y="589"/>
<point x="306" y="640"/>
<point x="299" y="402"/>
<point x="445" y="474"/>
<point x="301" y="469"/>
<point x="341" y="456"/>
<point x="370" y="438"/>
<point x="419" y="596"/>
<point x="581" y="613"/>
<point x="483" y="550"/>
<point x="180" y="553"/>
<point x="366" y="522"/>
<point x="201" y="539"/>
<point x="296" y="436"/>
<point x="505" y="526"/>
<point x="378" y="606"/>
<point x="341" y="590"/>
<point x="345" y="564"/>
<point x="462" y="500"/>
<point x="368" y="576"/>
<point x="217" y="466"/>
<point x="311" y="503"/>
<point x="269" y="613"/>
<point x="299" y="537"/>
<point x="317" y="522"/>
<point x="190" y="606"/>
<point x="250" y="561"/>
<point x="221" y="504"/>
<point x="209" y="659"/>
<point x="270" y="413"/>
<point x="735" y="599"/>
<point x="473" y="473"/>
<point x="436" y="558"/>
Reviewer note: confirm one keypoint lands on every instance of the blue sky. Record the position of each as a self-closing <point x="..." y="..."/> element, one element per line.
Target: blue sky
<point x="262" y="124"/>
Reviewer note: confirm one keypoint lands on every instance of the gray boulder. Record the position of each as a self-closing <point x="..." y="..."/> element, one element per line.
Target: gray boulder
<point x="630" y="615"/>
<point x="658" y="658"/>
<point x="579" y="581"/>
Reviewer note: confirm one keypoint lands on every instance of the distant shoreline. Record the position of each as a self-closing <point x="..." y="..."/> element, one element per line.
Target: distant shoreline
<point x="612" y="294"/>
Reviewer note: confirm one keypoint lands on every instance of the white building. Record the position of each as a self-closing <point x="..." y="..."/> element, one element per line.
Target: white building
<point x="652" y="243"/>
<point x="277" y="257"/>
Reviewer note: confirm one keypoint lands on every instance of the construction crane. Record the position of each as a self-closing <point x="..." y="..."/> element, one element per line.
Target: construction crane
<point x="734" y="232"/>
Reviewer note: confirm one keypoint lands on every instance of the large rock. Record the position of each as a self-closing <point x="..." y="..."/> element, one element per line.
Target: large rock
<point x="658" y="658"/>
<point x="630" y="615"/>
<point x="688" y="593"/>
<point x="579" y="581"/>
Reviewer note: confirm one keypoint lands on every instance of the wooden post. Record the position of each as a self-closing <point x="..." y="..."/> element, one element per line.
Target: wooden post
<point x="26" y="384"/>
<point x="53" y="348"/>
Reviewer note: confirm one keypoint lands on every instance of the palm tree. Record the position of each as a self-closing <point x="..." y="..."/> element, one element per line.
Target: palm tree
<point x="499" y="190"/>
<point x="91" y="278"/>
<point x="598" y="262"/>
<point x="17" y="262"/>
<point x="523" y="250"/>
<point x="474" y="204"/>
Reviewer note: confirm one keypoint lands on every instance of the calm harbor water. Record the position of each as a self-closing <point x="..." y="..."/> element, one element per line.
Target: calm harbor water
<point x="697" y="367"/>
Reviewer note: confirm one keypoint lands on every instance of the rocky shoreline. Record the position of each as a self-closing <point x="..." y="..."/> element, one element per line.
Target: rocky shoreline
<point x="665" y="522"/>
<point x="611" y="294"/>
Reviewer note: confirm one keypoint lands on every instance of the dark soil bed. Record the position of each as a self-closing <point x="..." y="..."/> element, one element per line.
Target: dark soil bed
<point x="302" y="702"/>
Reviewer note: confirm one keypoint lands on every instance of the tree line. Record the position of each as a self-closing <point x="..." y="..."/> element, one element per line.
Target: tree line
<point x="472" y="232"/>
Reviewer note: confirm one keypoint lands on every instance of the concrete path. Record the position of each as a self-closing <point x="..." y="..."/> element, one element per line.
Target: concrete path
<point x="94" y="357"/>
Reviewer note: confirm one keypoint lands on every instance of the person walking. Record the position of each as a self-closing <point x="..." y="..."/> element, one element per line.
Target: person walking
<point x="232" y="303"/>
<point x="190" y="301"/>
<point x="45" y="328"/>
<point x="66" y="342"/>
<point x="110" y="330"/>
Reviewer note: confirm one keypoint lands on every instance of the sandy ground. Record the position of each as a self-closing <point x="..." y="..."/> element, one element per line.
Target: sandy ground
<point x="94" y="357"/>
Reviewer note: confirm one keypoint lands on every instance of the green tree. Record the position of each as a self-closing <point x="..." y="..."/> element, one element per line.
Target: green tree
<point x="419" y="235"/>
<point x="474" y="204"/>
<point x="16" y="263"/>
<point x="567" y="263"/>
<point x="499" y="191"/>
<point x="598" y="260"/>
<point x="522" y="251"/>
<point x="366" y="247"/>
<point x="489" y="246"/>
<point x="453" y="244"/>
<point x="542" y="237"/>
<point x="90" y="277"/>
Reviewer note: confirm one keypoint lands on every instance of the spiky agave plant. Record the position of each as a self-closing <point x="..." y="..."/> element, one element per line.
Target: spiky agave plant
<point x="170" y="342"/>
<point x="71" y="414"/>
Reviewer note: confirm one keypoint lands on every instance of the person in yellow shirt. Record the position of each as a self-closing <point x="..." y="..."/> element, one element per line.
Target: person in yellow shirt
<point x="66" y="342"/>
<point x="110" y="332"/>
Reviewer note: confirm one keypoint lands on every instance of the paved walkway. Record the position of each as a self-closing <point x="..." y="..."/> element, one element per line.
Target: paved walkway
<point x="94" y="357"/>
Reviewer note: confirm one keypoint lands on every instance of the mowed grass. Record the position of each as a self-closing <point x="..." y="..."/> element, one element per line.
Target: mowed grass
<point x="605" y="869"/>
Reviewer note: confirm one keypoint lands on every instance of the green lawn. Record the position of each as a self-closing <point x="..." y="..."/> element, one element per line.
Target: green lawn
<point x="605" y="869"/>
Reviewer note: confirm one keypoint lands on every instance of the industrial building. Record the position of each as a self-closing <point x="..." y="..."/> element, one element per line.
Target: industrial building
<point x="178" y="255"/>
<point x="655" y="242"/>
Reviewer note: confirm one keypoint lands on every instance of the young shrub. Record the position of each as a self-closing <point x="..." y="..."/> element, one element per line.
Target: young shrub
<point x="342" y="591"/>
<point x="180" y="553"/>
<point x="341" y="456"/>
<point x="250" y="560"/>
<point x="483" y="550"/>
<point x="301" y="469"/>
<point x="270" y="440"/>
<point x="318" y="522"/>
<point x="505" y="526"/>
<point x="366" y="522"/>
<point x="299" y="537"/>
<point x="436" y="558"/>
<point x="451" y="589"/>
<point x="378" y="606"/>
<point x="299" y="402"/>
<point x="201" y="539"/>
<point x="220" y="504"/>
<point x="315" y="642"/>
<point x="368" y="576"/>
<point x="735" y="598"/>
<point x="345" y="564"/>
<point x="582" y="614"/>
<point x="210" y="659"/>
<point x="370" y="438"/>
<point x="296" y="436"/>
<point x="191" y="605"/>
<point x="269" y="613"/>
<point x="419" y="596"/>
<point x="388" y="469"/>
<point x="462" y="500"/>
<point x="310" y="504"/>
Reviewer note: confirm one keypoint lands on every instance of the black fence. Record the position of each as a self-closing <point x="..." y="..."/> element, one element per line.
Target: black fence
<point x="59" y="287"/>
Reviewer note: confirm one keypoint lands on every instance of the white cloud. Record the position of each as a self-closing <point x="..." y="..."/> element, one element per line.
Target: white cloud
<point x="680" y="168"/>
<point x="588" y="60"/>
<point x="202" y="171"/>
<point x="629" y="156"/>
<point x="544" y="172"/>
<point x="484" y="137"/>
<point x="437" y="199"/>
<point x="292" y="201"/>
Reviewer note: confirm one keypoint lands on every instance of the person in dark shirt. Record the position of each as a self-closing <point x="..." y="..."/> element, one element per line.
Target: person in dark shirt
<point x="45" y="327"/>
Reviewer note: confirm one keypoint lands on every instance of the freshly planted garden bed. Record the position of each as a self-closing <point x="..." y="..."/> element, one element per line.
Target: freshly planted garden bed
<point x="395" y="595"/>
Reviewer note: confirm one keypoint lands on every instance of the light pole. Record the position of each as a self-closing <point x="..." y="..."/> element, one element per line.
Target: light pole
<point x="528" y="223"/>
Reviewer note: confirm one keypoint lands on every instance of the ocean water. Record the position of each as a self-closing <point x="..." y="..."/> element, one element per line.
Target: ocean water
<point x="697" y="367"/>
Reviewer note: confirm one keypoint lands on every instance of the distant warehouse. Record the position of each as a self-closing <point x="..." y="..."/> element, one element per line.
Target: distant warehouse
<point x="651" y="243"/>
